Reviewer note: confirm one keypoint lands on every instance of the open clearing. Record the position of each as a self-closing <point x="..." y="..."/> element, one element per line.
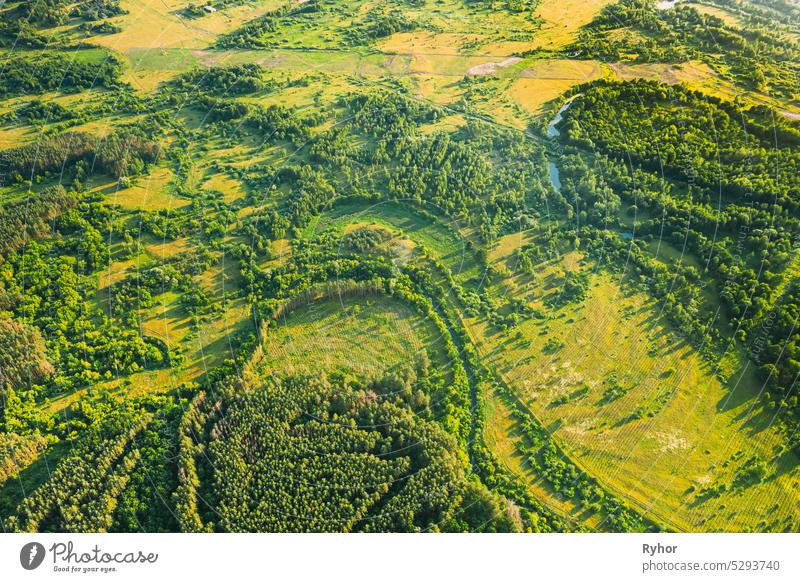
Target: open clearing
<point x="442" y="241"/>
<point x="159" y="24"/>
<point x="149" y="193"/>
<point x="633" y="403"/>
<point x="368" y="336"/>
<point x="563" y="19"/>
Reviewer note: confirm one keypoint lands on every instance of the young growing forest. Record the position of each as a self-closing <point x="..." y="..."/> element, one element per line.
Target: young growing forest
<point x="399" y="266"/>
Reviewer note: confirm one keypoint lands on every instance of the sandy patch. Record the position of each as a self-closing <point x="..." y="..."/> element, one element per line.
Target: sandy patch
<point x="580" y="429"/>
<point x="671" y="441"/>
<point x="489" y="68"/>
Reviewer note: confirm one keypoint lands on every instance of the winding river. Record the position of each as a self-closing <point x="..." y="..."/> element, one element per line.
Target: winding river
<point x="552" y="132"/>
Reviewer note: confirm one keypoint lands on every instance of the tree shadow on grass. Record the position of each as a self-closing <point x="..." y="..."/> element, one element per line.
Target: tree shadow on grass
<point x="785" y="463"/>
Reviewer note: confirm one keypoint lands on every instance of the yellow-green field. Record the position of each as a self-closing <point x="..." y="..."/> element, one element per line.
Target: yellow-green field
<point x="148" y="193"/>
<point x="158" y="24"/>
<point x="445" y="242"/>
<point x="726" y="16"/>
<point x="543" y="81"/>
<point x="671" y="429"/>
<point x="368" y="336"/>
<point x="563" y="19"/>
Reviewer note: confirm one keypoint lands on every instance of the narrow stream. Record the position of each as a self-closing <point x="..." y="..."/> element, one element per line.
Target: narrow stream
<point x="555" y="176"/>
<point x="552" y="132"/>
<point x="551" y="127"/>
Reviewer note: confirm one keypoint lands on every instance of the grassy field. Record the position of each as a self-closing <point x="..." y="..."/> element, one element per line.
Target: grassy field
<point x="159" y="24"/>
<point x="726" y="16"/>
<point x="445" y="242"/>
<point x="690" y="72"/>
<point x="228" y="188"/>
<point x="15" y="136"/>
<point x="636" y="406"/>
<point x="148" y="193"/>
<point x="563" y="19"/>
<point x="542" y="81"/>
<point x="368" y="336"/>
<point x="629" y="401"/>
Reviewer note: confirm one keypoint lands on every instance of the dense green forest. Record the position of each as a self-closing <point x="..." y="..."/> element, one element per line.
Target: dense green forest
<point x="290" y="278"/>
